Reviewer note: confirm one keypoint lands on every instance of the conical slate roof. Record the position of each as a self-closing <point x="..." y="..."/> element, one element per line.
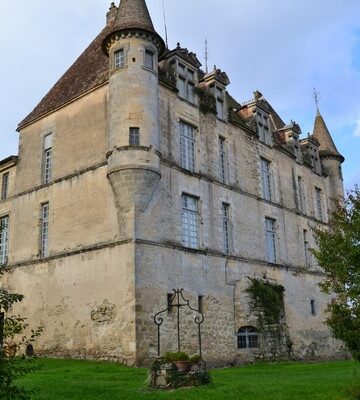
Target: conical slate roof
<point x="322" y="134"/>
<point x="133" y="14"/>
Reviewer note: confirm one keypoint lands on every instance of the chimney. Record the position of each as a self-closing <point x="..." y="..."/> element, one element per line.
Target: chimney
<point x="111" y="14"/>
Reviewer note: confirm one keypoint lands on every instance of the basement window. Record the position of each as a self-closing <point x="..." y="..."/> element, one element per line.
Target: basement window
<point x="248" y="338"/>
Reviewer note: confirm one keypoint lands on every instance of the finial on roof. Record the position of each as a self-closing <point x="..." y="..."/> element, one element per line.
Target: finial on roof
<point x="178" y="45"/>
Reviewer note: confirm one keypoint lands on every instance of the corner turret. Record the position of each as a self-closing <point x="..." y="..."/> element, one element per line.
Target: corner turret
<point x="331" y="159"/>
<point x="133" y="48"/>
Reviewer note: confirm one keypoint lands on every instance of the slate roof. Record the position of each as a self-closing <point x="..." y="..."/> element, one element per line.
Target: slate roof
<point x="322" y="134"/>
<point x="90" y="70"/>
<point x="133" y="14"/>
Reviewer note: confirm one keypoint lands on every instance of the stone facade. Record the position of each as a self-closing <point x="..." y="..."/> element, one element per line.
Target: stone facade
<point x="116" y="246"/>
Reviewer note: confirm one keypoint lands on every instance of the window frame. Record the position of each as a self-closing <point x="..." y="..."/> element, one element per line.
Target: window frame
<point x="148" y="52"/>
<point x="318" y="203"/>
<point x="263" y="124"/>
<point x="187" y="146"/>
<point x="4" y="239"/>
<point x="306" y="248"/>
<point x="245" y="338"/>
<point x="223" y="159"/>
<point x="44" y="230"/>
<point x="47" y="161"/>
<point x="187" y="76"/>
<point x="225" y="208"/>
<point x="266" y="179"/>
<point x="301" y="194"/>
<point x="5" y="185"/>
<point x="134" y="136"/>
<point x="119" y="62"/>
<point x="270" y="240"/>
<point x="190" y="221"/>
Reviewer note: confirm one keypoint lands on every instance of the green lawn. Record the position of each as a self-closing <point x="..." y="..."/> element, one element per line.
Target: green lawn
<point x="85" y="380"/>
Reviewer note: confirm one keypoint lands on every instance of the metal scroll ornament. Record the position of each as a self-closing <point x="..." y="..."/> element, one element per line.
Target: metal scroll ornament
<point x="178" y="301"/>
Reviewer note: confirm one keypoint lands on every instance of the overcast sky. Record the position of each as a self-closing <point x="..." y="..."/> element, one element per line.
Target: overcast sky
<point x="283" y="48"/>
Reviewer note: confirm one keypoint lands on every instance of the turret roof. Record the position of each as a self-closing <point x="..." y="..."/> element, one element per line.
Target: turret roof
<point x="322" y="134"/>
<point x="133" y="14"/>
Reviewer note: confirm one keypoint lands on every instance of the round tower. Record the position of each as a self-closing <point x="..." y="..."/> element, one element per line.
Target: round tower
<point x="331" y="159"/>
<point x="133" y="47"/>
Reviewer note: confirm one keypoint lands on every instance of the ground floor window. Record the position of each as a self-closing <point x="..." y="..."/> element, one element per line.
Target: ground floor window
<point x="248" y="338"/>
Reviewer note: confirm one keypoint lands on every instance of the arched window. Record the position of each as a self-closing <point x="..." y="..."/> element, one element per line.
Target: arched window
<point x="248" y="338"/>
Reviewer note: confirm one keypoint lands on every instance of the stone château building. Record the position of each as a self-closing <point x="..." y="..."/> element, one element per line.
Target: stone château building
<point x="139" y="173"/>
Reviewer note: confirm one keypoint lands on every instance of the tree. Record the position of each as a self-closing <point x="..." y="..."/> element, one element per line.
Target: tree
<point x="338" y="254"/>
<point x="12" y="337"/>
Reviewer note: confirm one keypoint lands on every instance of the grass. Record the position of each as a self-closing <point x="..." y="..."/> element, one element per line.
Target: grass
<point x="85" y="380"/>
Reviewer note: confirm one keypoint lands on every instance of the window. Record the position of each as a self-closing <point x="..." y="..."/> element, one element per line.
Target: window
<point x="149" y="59"/>
<point x="301" y="192"/>
<point x="222" y="154"/>
<point x="263" y="127"/>
<point x="201" y="303"/>
<point x="226" y="227"/>
<point x="5" y="186"/>
<point x="189" y="218"/>
<point x="306" y="248"/>
<point x="319" y="212"/>
<point x="312" y="307"/>
<point x="219" y="97"/>
<point x="187" y="146"/>
<point x="119" y="59"/>
<point x="270" y="240"/>
<point x="266" y="179"/>
<point x="134" y="136"/>
<point x="4" y="237"/>
<point x="248" y="338"/>
<point x="44" y="233"/>
<point x="186" y="84"/>
<point x="47" y="159"/>
<point x="340" y="172"/>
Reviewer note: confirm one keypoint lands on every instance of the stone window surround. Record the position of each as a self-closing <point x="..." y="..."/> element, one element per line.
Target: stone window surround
<point x="223" y="159"/>
<point x="4" y="239"/>
<point x="226" y="225"/>
<point x="5" y="185"/>
<point x="271" y="256"/>
<point x="248" y="336"/>
<point x="177" y="62"/>
<point x="195" y="131"/>
<point x="153" y="50"/>
<point x="115" y="48"/>
<point x="263" y="124"/>
<point x="198" y="220"/>
<point x="47" y="158"/>
<point x="266" y="179"/>
<point x="44" y="229"/>
<point x="319" y="214"/>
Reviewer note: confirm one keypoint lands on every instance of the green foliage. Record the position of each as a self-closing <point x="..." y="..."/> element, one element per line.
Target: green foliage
<point x="173" y="357"/>
<point x="207" y="101"/>
<point x="195" y="359"/>
<point x="338" y="254"/>
<point x="267" y="297"/>
<point x="12" y="367"/>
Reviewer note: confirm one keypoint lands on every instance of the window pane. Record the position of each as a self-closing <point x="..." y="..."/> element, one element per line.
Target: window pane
<point x="318" y="203"/>
<point x="270" y="240"/>
<point x="4" y="186"/>
<point x="226" y="228"/>
<point x="182" y="87"/>
<point x="189" y="218"/>
<point x="119" y="59"/>
<point x="4" y="236"/>
<point x="187" y="146"/>
<point x="134" y="137"/>
<point x="44" y="251"/>
<point x="266" y="179"/>
<point x="47" y="165"/>
<point x="149" y="59"/>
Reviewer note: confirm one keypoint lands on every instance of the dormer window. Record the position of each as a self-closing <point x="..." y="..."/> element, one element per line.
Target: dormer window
<point x="119" y="59"/>
<point x="186" y="83"/>
<point x="149" y="61"/>
<point x="263" y="125"/>
<point x="219" y="97"/>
